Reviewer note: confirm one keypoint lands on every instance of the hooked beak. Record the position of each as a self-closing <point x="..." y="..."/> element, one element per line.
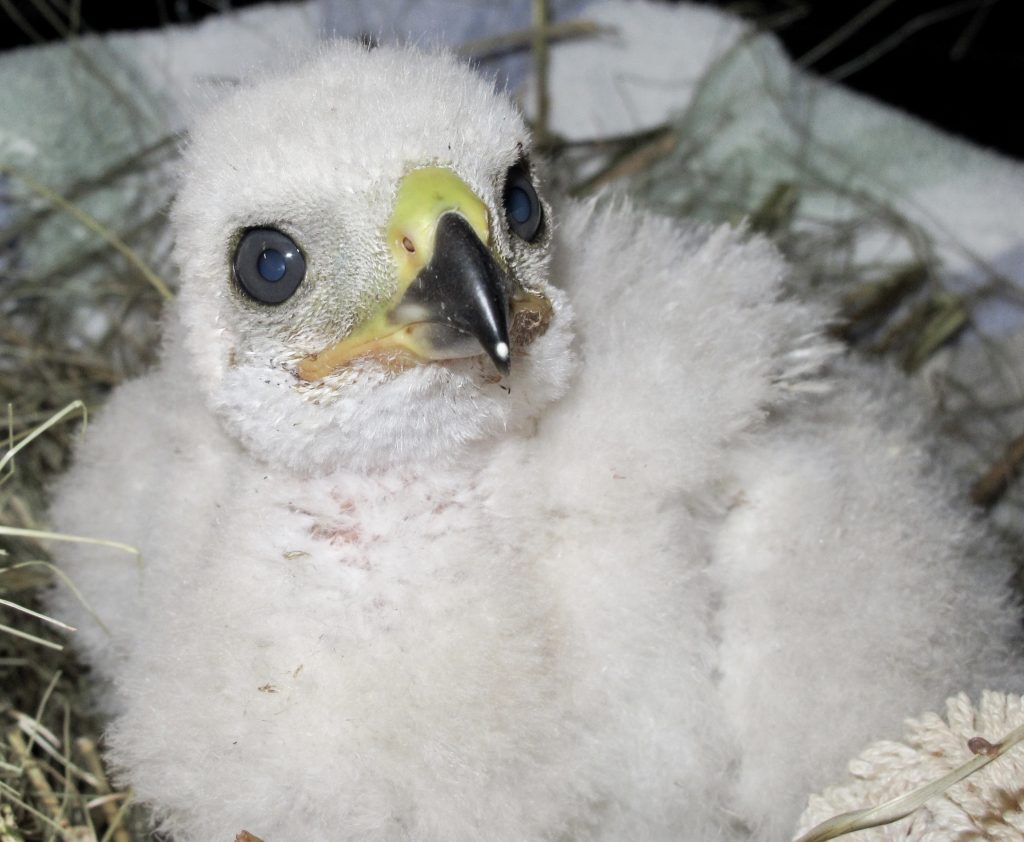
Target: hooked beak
<point x="462" y="295"/>
<point x="454" y="299"/>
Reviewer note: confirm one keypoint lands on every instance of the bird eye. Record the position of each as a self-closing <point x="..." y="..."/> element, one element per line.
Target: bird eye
<point x="522" y="207"/>
<point x="268" y="265"/>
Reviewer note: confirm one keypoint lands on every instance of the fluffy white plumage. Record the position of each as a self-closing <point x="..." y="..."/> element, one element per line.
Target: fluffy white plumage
<point x="642" y="587"/>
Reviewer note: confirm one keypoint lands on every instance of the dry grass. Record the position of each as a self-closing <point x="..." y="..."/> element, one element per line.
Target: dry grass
<point x="54" y="366"/>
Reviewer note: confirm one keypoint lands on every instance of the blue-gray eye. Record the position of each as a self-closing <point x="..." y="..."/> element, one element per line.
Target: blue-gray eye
<point x="518" y="205"/>
<point x="268" y="265"/>
<point x="272" y="265"/>
<point x="522" y="205"/>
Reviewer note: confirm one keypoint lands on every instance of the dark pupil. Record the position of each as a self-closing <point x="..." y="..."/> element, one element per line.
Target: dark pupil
<point x="518" y="205"/>
<point x="271" y="265"/>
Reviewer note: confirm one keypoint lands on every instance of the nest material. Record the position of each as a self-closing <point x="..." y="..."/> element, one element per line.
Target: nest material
<point x="988" y="805"/>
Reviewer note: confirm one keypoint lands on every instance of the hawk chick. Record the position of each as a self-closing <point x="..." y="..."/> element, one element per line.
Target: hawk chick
<point x="463" y="517"/>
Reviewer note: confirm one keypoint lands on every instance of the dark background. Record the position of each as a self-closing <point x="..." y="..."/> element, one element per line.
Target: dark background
<point x="958" y="64"/>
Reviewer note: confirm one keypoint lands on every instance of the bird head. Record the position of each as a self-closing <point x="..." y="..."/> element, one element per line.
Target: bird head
<point x="364" y="254"/>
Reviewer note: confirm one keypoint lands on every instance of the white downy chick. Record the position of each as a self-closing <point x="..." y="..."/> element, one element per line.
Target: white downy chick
<point x="462" y="518"/>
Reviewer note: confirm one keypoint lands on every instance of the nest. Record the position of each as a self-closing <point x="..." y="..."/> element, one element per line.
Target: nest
<point x="84" y="267"/>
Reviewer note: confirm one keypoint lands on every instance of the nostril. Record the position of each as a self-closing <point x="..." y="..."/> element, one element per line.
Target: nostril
<point x="407" y="245"/>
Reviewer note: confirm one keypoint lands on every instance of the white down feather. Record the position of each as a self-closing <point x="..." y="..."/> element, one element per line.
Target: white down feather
<point x="656" y="591"/>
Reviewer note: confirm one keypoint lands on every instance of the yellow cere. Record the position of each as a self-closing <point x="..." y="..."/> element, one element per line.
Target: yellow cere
<point x="424" y="196"/>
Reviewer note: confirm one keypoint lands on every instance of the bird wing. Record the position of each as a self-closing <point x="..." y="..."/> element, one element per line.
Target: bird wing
<point x="855" y="588"/>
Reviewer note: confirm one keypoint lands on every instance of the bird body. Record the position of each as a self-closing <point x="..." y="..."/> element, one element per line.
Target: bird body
<point x="653" y="577"/>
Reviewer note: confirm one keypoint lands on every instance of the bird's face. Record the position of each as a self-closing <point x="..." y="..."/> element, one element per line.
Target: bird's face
<point x="364" y="256"/>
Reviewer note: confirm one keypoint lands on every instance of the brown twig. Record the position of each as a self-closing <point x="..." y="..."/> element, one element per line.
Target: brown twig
<point x="541" y="16"/>
<point x="632" y="161"/>
<point x="777" y="210"/>
<point x="925" y="329"/>
<point x="989" y="490"/>
<point x="96" y="227"/>
<point x="8" y="826"/>
<point x="867" y="305"/>
<point x="35" y="776"/>
<point x="483" y="48"/>
<point x="87" y="748"/>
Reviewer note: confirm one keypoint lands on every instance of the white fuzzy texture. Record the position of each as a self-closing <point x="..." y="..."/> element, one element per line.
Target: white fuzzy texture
<point x="987" y="805"/>
<point x="319" y="153"/>
<point x="654" y="590"/>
